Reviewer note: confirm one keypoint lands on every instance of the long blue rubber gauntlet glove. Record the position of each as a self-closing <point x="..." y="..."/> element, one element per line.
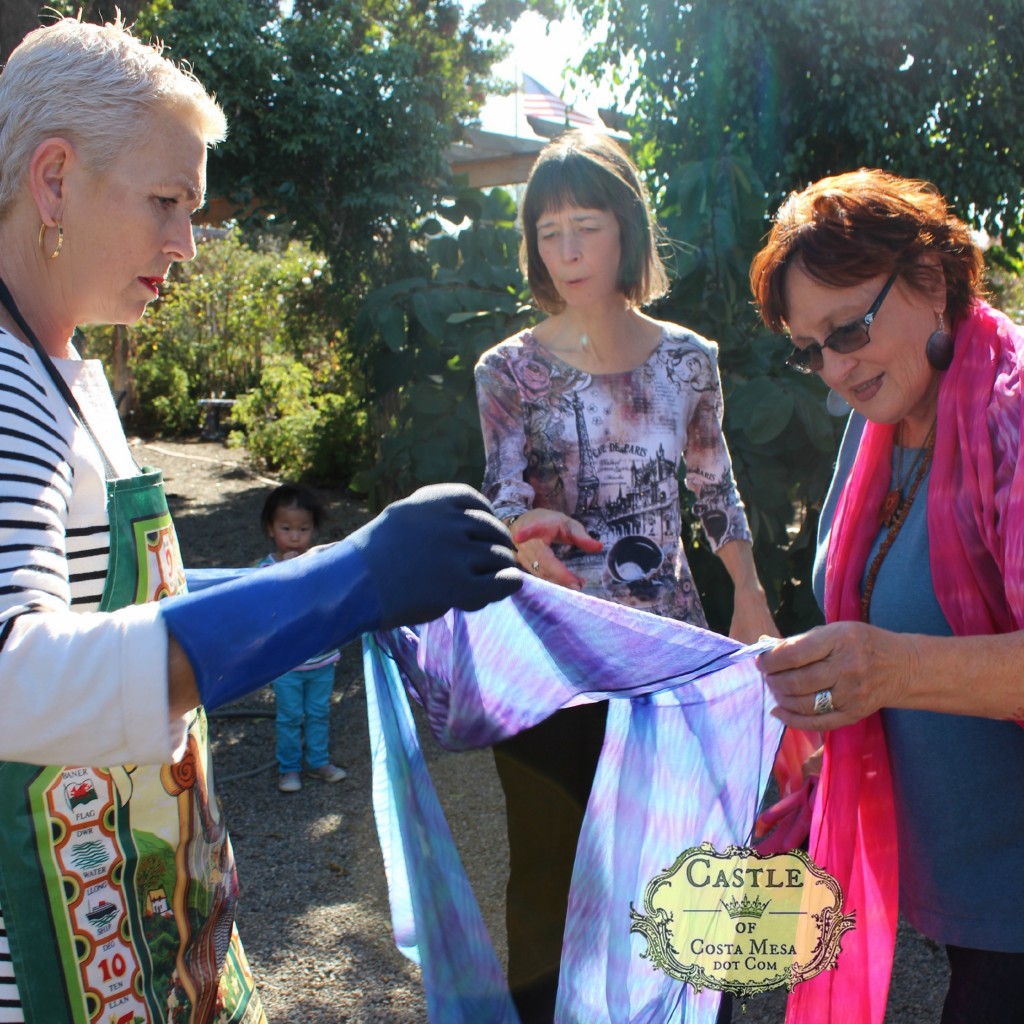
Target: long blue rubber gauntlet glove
<point x="440" y="548"/>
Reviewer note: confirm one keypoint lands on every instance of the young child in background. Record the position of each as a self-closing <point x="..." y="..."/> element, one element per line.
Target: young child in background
<point x="291" y="516"/>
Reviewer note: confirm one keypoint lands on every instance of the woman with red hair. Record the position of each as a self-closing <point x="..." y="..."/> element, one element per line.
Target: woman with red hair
<point x="915" y="680"/>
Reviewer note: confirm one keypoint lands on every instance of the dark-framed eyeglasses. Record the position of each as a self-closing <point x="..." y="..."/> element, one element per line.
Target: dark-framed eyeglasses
<point x="843" y="340"/>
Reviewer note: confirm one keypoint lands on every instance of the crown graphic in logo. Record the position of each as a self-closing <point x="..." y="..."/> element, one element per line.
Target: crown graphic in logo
<point x="746" y="907"/>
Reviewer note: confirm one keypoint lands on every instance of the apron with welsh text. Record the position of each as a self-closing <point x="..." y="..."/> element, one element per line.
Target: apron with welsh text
<point x="118" y="885"/>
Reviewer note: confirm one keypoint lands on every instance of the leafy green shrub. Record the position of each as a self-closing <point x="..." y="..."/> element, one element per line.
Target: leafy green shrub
<point x="301" y="434"/>
<point x="338" y="449"/>
<point x="220" y="318"/>
<point x="165" y="405"/>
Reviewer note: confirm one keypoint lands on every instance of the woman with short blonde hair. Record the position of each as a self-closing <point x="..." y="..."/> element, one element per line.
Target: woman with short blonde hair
<point x="117" y="880"/>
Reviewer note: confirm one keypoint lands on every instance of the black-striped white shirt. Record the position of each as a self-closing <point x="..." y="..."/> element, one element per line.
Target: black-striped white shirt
<point x="75" y="687"/>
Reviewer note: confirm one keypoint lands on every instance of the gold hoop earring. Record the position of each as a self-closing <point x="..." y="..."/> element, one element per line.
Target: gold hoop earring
<point x="42" y="242"/>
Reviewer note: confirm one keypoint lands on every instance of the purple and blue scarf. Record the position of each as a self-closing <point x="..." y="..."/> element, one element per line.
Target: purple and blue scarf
<point x="688" y="751"/>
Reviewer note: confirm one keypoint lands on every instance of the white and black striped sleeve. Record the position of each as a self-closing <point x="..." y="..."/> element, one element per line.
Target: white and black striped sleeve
<point x="77" y="685"/>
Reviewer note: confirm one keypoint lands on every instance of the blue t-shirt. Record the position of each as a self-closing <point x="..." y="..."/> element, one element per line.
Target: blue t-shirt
<point x="958" y="781"/>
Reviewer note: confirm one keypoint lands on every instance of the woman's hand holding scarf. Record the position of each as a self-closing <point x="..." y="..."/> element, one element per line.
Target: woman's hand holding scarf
<point x="862" y="667"/>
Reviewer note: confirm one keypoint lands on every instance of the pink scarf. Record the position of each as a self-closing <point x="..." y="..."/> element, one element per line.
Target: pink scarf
<point x="977" y="563"/>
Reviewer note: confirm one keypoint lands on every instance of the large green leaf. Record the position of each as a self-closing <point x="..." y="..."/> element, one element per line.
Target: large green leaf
<point x="430" y="399"/>
<point x="391" y="322"/>
<point x="433" y="308"/>
<point x="820" y="426"/>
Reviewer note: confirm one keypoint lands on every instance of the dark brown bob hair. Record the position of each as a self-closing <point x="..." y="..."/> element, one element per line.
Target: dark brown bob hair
<point x="590" y="170"/>
<point x="849" y="228"/>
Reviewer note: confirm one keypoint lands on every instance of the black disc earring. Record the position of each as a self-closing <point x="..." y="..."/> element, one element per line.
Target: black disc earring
<point x="938" y="349"/>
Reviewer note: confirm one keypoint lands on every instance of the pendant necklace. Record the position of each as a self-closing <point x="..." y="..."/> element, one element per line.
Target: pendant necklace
<point x="894" y="497"/>
<point x="898" y="518"/>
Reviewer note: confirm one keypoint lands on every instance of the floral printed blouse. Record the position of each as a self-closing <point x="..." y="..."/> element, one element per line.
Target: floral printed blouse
<point x="606" y="449"/>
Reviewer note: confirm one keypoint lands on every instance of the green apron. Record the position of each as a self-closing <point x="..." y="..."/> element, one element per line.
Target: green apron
<point x="118" y="885"/>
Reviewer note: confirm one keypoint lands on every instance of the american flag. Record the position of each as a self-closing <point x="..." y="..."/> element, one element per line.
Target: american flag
<point x="538" y="102"/>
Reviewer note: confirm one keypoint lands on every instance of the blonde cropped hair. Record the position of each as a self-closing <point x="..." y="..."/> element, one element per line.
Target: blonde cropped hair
<point x="93" y="85"/>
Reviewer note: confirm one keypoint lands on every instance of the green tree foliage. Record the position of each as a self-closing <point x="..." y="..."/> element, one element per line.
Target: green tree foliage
<point x="427" y="331"/>
<point x="340" y="112"/>
<point x="739" y="101"/>
<point x="928" y="88"/>
<point x="18" y="17"/>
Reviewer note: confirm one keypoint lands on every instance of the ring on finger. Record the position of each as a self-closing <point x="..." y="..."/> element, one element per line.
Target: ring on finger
<point x="823" y="702"/>
<point x="534" y="565"/>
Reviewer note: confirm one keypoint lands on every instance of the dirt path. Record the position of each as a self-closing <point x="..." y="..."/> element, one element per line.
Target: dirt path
<point x="314" y="913"/>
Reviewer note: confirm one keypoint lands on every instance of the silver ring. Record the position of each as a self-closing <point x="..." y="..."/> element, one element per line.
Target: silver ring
<point x="823" y="702"/>
<point x="535" y="565"/>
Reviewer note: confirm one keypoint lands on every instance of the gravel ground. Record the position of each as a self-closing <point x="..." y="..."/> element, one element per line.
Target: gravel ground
<point x="314" y="913"/>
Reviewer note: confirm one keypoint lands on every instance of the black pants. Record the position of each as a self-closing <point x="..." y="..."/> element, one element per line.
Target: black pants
<point x="984" y="987"/>
<point x="546" y="773"/>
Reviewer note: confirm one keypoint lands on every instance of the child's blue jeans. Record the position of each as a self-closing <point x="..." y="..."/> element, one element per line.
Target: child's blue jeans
<point x="303" y="711"/>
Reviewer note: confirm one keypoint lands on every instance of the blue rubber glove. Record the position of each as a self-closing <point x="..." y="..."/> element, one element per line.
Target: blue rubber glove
<point x="200" y="579"/>
<point x="440" y="548"/>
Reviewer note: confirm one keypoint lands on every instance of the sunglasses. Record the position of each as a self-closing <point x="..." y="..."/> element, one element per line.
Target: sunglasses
<point x="845" y="339"/>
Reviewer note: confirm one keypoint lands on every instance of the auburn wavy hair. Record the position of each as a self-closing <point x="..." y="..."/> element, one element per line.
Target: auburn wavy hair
<point x="851" y="227"/>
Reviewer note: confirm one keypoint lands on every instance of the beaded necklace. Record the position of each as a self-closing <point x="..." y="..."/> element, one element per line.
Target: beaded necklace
<point x="891" y="501"/>
<point x="895" y="524"/>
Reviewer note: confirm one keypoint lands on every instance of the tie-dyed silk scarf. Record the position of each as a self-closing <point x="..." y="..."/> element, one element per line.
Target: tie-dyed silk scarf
<point x="687" y="753"/>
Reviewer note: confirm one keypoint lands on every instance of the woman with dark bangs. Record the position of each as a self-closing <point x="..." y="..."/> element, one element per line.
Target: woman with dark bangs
<point x="588" y="420"/>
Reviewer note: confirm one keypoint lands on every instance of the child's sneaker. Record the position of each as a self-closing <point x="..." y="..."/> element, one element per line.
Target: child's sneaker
<point x="289" y="782"/>
<point x="329" y="772"/>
